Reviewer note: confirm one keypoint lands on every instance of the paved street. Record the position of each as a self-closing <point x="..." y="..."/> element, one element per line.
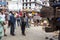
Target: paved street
<point x="32" y="33"/>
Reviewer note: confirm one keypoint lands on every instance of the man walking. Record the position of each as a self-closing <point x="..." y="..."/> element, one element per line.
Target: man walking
<point x="23" y="24"/>
<point x="12" y="21"/>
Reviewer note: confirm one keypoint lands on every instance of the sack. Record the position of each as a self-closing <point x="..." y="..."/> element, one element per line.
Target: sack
<point x="49" y="29"/>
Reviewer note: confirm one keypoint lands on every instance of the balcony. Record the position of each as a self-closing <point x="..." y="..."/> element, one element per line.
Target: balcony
<point x="28" y="2"/>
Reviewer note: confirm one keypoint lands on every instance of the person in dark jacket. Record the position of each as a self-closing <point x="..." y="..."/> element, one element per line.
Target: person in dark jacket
<point x="12" y="21"/>
<point x="23" y="24"/>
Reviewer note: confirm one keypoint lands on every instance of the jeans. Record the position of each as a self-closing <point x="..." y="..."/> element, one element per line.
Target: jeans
<point x="18" y="22"/>
<point x="12" y="29"/>
<point x="27" y="24"/>
<point x="23" y="27"/>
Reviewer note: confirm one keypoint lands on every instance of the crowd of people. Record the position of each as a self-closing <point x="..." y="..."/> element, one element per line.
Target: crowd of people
<point x="11" y="17"/>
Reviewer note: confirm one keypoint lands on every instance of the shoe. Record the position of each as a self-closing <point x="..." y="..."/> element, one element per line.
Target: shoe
<point x="46" y="38"/>
<point x="51" y="39"/>
<point x="13" y="34"/>
<point x="5" y="35"/>
<point x="24" y="34"/>
<point x="0" y="37"/>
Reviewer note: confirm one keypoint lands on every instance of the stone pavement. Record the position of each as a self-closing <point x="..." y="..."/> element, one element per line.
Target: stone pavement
<point x="32" y="33"/>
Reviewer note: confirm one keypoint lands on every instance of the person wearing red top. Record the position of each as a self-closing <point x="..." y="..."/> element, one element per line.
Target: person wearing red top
<point x="20" y="13"/>
<point x="18" y="19"/>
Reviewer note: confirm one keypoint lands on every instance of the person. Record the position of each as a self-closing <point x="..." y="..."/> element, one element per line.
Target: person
<point x="12" y="21"/>
<point x="27" y="22"/>
<point x="9" y="23"/>
<point x="18" y="20"/>
<point x="4" y="18"/>
<point x="23" y="24"/>
<point x="34" y="19"/>
<point x="58" y="23"/>
<point x="1" y="26"/>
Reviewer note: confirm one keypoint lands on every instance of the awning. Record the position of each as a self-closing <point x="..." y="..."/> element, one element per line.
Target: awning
<point x="3" y="3"/>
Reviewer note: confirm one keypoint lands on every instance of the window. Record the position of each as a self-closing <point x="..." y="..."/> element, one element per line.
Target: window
<point x="30" y="0"/>
<point x="23" y="0"/>
<point x="26" y="4"/>
<point x="35" y="4"/>
<point x="30" y="4"/>
<point x="29" y="7"/>
<point x="43" y="2"/>
<point x="23" y="7"/>
<point x="23" y="4"/>
<point x="26" y="0"/>
<point x="26" y="7"/>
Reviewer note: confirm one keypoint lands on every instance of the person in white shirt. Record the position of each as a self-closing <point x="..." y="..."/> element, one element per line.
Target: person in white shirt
<point x="3" y="17"/>
<point x="9" y="23"/>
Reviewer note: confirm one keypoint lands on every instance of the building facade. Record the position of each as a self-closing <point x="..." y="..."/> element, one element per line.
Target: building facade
<point x="14" y="5"/>
<point x="3" y="4"/>
<point x="30" y="5"/>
